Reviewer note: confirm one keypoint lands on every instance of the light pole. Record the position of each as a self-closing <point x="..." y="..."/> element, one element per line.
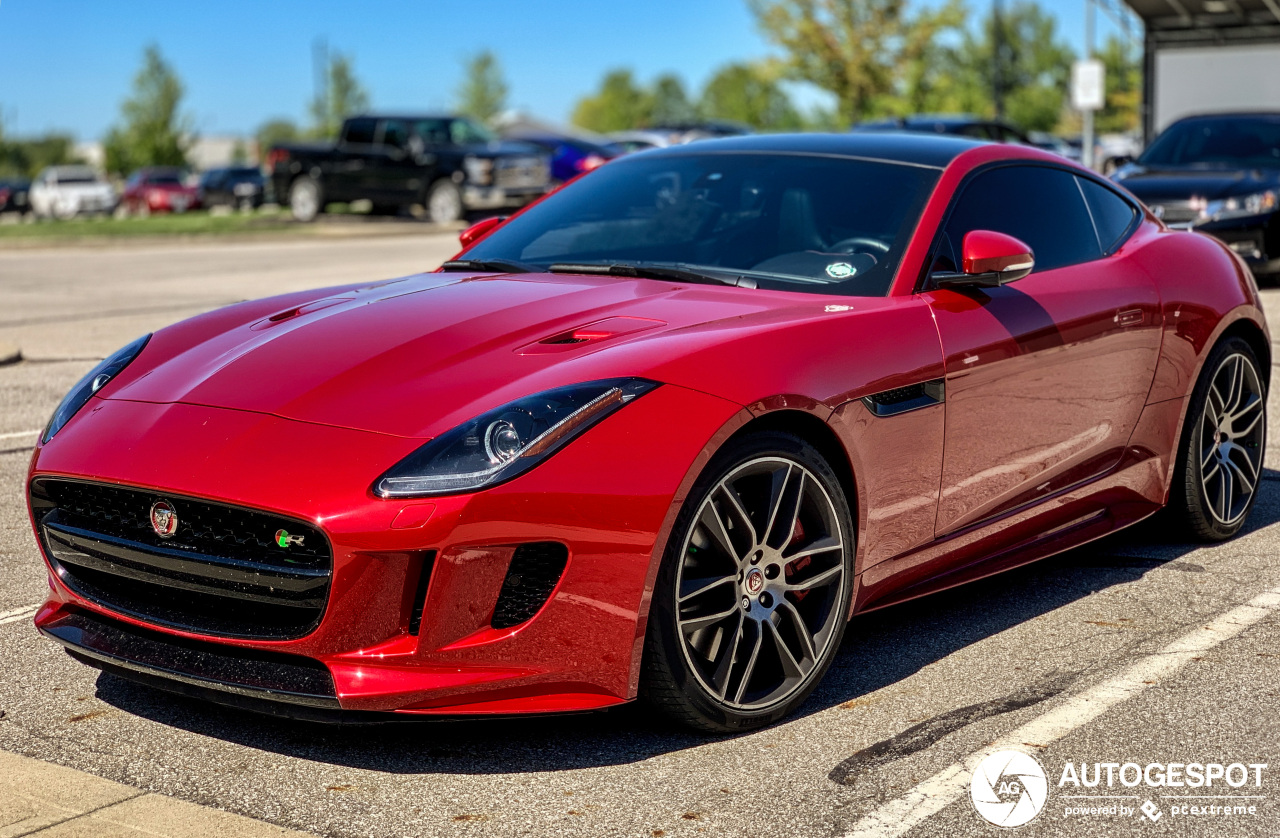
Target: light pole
<point x="1087" y="141"/>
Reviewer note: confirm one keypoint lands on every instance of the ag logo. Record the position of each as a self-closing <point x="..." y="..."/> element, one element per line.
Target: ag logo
<point x="1008" y="788"/>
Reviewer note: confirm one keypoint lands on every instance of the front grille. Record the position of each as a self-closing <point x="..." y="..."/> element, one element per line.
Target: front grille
<point x="533" y="574"/>
<point x="225" y="570"/>
<point x="521" y="172"/>
<point x="1177" y="212"/>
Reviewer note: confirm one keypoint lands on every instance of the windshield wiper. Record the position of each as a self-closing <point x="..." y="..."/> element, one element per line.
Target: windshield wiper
<point x="505" y="266"/>
<point x="648" y="271"/>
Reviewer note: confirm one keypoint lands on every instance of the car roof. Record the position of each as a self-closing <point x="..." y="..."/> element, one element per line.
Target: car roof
<point x="1267" y="115"/>
<point x="408" y="117"/>
<point x="933" y="150"/>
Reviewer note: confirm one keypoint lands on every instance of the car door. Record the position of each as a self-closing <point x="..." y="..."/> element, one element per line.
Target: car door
<point x="397" y="174"/>
<point x="1045" y="377"/>
<point x="349" y="179"/>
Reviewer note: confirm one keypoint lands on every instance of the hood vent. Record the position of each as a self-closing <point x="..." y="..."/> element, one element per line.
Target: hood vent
<point x="591" y="333"/>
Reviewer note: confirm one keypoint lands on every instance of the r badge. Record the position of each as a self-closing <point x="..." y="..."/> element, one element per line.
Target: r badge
<point x="285" y="540"/>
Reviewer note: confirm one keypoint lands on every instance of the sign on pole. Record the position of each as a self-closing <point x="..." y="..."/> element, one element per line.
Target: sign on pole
<point x="1088" y="85"/>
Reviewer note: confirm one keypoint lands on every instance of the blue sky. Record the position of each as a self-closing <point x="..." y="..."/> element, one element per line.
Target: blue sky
<point x="68" y="63"/>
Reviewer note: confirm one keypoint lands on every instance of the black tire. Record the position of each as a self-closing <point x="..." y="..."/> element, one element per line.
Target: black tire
<point x="689" y="672"/>
<point x="444" y="202"/>
<point x="1219" y="465"/>
<point x="306" y="199"/>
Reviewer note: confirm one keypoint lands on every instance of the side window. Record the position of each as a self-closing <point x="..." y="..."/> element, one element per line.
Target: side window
<point x="432" y="131"/>
<point x="975" y="130"/>
<point x="360" y="131"/>
<point x="1112" y="215"/>
<point x="1041" y="206"/>
<point x="395" y="133"/>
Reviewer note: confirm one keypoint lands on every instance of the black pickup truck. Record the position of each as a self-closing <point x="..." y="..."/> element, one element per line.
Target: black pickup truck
<point x="449" y="165"/>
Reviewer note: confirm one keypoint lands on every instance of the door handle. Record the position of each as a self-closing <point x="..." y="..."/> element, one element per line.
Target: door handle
<point x="1130" y="317"/>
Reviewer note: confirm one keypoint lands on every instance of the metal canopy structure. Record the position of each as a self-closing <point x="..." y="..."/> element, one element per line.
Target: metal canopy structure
<point x="1190" y="24"/>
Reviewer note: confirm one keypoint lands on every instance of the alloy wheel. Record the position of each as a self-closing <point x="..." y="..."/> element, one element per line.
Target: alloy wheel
<point x="761" y="574"/>
<point x="1232" y="433"/>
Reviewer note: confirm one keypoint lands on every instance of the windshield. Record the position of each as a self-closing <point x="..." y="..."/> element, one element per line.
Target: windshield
<point x="1237" y="142"/>
<point x="795" y="222"/>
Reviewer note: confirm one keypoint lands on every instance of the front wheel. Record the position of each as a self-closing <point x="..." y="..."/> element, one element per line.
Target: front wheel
<point x="1223" y="442"/>
<point x="305" y="201"/>
<point x="752" y="597"/>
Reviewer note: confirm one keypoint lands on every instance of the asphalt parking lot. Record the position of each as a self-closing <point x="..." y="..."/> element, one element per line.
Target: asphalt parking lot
<point x="1134" y="649"/>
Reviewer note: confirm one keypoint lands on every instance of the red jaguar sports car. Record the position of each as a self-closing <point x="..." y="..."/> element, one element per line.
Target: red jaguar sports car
<point x="660" y="435"/>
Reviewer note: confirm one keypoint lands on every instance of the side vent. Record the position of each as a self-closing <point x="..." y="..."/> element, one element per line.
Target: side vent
<point x="534" y="572"/>
<point x="903" y="399"/>
<point x="420" y="593"/>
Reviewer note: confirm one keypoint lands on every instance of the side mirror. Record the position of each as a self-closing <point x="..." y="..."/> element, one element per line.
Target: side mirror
<point x="480" y="229"/>
<point x="989" y="260"/>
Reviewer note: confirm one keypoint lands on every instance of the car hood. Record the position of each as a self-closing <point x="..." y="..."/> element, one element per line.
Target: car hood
<point x="1155" y="185"/>
<point x="417" y="356"/>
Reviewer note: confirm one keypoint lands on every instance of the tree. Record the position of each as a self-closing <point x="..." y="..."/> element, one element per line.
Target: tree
<point x="276" y="131"/>
<point x="750" y="94"/>
<point x="856" y="49"/>
<point x="25" y="158"/>
<point x="1124" y="87"/>
<point x="669" y="104"/>
<point x="483" y="94"/>
<point x="153" y="131"/>
<point x="343" y="96"/>
<point x="619" y="105"/>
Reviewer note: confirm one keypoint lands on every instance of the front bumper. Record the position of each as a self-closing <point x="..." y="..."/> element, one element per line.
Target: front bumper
<point x="385" y="644"/>
<point x="1256" y="239"/>
<point x="496" y="197"/>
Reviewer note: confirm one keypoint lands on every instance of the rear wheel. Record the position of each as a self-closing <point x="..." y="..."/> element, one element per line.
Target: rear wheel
<point x="750" y="603"/>
<point x="305" y="199"/>
<point x="1220" y="458"/>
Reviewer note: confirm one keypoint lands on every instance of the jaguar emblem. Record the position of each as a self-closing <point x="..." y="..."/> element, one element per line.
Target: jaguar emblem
<point x="164" y="519"/>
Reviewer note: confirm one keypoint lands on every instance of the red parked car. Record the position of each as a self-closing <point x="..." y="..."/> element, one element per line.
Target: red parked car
<point x="158" y="189"/>
<point x="659" y="435"/>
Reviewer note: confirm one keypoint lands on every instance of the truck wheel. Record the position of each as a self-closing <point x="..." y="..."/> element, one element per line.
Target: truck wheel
<point x="444" y="202"/>
<point x="305" y="200"/>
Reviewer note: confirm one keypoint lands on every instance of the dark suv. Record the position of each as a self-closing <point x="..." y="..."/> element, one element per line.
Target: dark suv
<point x="448" y="164"/>
<point x="962" y="125"/>
<point x="1219" y="174"/>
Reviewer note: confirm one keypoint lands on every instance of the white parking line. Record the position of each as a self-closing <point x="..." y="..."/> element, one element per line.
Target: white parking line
<point x="17" y="434"/>
<point x="900" y="816"/>
<point x="18" y="614"/>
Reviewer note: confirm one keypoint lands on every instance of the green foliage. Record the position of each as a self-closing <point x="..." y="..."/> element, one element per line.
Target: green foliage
<point x="864" y="52"/>
<point x="751" y="94"/>
<point x="1124" y="87"/>
<point x="276" y="131"/>
<point x="343" y="96"/>
<point x="483" y="94"/>
<point x="619" y="105"/>
<point x="669" y="104"/>
<point x="152" y="131"/>
<point x="25" y="158"/>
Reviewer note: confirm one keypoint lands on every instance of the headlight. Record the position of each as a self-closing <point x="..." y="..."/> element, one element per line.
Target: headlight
<point x="508" y="440"/>
<point x="1241" y="206"/>
<point x="92" y="383"/>
<point x="479" y="170"/>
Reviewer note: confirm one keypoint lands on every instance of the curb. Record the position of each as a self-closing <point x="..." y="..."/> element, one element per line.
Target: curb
<point x="52" y="800"/>
<point x="9" y="353"/>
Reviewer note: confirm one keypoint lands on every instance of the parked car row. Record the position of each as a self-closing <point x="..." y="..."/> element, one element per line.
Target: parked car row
<point x="65" y="192"/>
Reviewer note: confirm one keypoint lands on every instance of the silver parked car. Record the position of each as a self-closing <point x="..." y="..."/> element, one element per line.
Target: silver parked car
<point x="67" y="191"/>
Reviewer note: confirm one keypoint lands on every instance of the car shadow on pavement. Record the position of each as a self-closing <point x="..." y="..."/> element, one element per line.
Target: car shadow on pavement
<point x="880" y="649"/>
